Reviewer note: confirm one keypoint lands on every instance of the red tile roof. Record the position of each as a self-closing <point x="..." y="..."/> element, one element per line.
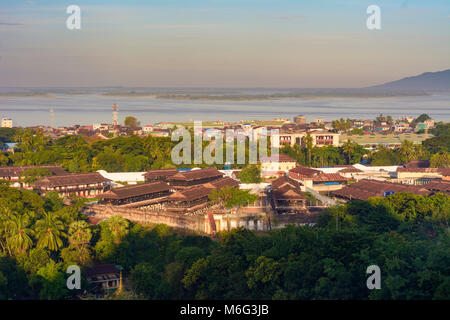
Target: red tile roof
<point x="196" y="175"/>
<point x="222" y="182"/>
<point x="281" y="158"/>
<point x="304" y="171"/>
<point x="16" y="171"/>
<point x="71" y="180"/>
<point x="160" y="173"/>
<point x="135" y="190"/>
<point x="350" y="169"/>
<point x="436" y="186"/>
<point x="281" y="181"/>
<point x="365" y="189"/>
<point x="329" y="177"/>
<point x="287" y="192"/>
<point x="418" y="164"/>
<point x="190" y="194"/>
<point x="102" y="269"/>
<point x="285" y="188"/>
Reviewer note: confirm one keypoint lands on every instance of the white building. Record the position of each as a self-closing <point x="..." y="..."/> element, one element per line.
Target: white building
<point x="100" y="126"/>
<point x="148" y="128"/>
<point x="123" y="177"/>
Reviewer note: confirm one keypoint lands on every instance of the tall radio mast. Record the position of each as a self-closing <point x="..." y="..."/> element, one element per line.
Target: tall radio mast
<point x="52" y="118"/>
<point x="115" y="123"/>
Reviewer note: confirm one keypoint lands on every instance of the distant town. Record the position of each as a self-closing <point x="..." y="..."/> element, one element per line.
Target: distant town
<point x="111" y="171"/>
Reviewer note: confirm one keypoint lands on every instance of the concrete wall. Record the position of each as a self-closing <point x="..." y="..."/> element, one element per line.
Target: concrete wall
<point x="260" y="221"/>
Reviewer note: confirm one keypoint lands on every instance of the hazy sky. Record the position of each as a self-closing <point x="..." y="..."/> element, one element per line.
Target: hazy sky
<point x="220" y="43"/>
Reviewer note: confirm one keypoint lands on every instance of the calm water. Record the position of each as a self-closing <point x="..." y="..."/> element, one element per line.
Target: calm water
<point x="94" y="108"/>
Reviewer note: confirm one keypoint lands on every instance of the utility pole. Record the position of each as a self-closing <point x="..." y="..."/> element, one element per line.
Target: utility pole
<point x="52" y="118"/>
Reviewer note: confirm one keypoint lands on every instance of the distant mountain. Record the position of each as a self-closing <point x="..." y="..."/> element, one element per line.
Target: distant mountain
<point x="428" y="81"/>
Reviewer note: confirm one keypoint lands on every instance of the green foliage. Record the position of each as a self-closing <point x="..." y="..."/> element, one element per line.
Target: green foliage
<point x="423" y="117"/>
<point x="406" y="235"/>
<point x="440" y="160"/>
<point x="341" y="124"/>
<point x="326" y="156"/>
<point x="385" y="157"/>
<point x="34" y="174"/>
<point x="231" y="197"/>
<point x="250" y="174"/>
<point x="437" y="144"/>
<point x="441" y="129"/>
<point x="131" y="122"/>
<point x="52" y="282"/>
<point x="7" y="135"/>
<point x="357" y="131"/>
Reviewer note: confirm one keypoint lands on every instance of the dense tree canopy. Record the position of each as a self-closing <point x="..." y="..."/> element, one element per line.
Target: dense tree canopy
<point x="404" y="234"/>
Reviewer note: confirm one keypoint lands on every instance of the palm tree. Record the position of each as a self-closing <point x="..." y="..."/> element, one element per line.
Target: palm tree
<point x="79" y="237"/>
<point x="348" y="148"/>
<point x="79" y="234"/>
<point x="308" y="144"/>
<point x="5" y="218"/>
<point x="49" y="232"/>
<point x="19" y="238"/>
<point x="407" y="151"/>
<point x="118" y="227"/>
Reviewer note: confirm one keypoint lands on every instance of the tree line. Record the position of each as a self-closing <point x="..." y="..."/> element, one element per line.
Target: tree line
<point x="406" y="235"/>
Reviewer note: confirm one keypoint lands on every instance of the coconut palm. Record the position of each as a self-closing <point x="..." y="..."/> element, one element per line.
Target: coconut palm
<point x="348" y="148"/>
<point x="5" y="217"/>
<point x="308" y="144"/>
<point x="407" y="151"/>
<point x="50" y="231"/>
<point x="79" y="234"/>
<point x="19" y="237"/>
<point x="79" y="237"/>
<point x="118" y="227"/>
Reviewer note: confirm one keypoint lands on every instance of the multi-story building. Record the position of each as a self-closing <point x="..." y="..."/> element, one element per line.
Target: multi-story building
<point x="13" y="174"/>
<point x="88" y="185"/>
<point x="273" y="167"/>
<point x="319" y="137"/>
<point x="317" y="180"/>
<point x="100" y="127"/>
<point x="7" y="123"/>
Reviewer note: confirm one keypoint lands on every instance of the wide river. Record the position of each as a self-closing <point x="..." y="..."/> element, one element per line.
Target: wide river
<point x="86" y="109"/>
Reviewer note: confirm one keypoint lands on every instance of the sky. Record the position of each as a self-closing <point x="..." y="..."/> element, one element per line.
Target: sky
<point x="220" y="43"/>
